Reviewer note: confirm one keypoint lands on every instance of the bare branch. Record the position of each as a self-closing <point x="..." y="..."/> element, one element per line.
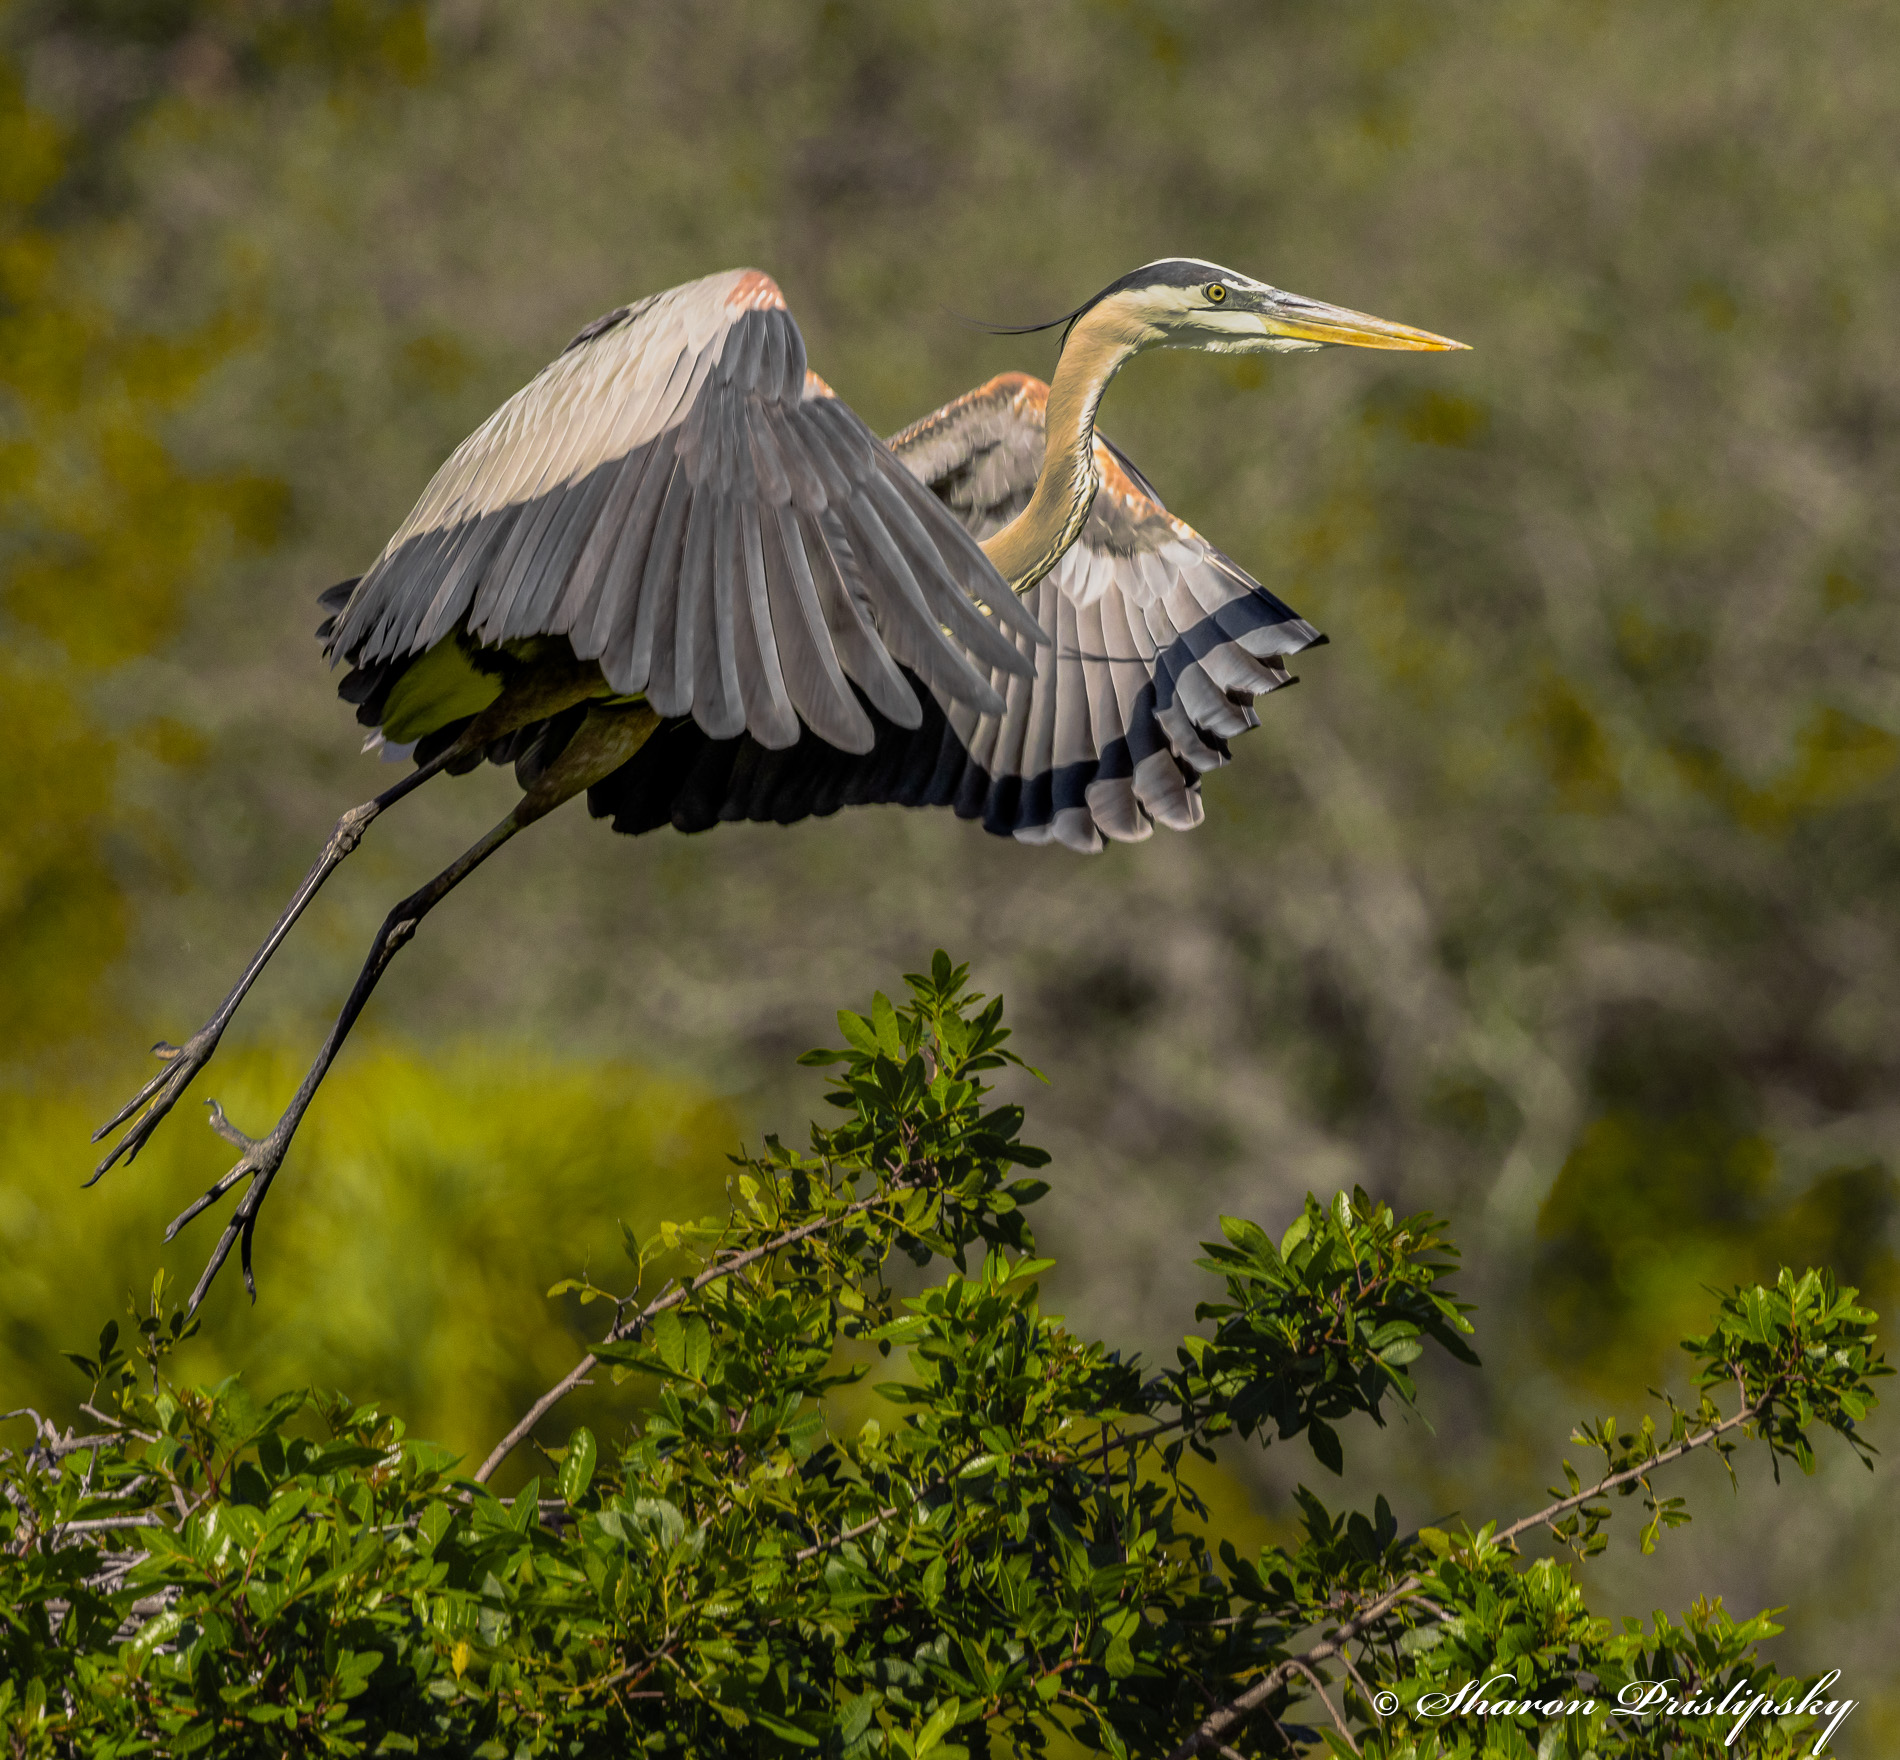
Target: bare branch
<point x="100" y="1523"/>
<point x="118" y="1425"/>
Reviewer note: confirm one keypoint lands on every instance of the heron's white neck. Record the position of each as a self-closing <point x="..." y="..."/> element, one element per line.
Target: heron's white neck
<point x="1034" y="541"/>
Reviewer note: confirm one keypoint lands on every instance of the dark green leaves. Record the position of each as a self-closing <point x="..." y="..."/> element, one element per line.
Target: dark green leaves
<point x="1321" y="1326"/>
<point x="1804" y="1354"/>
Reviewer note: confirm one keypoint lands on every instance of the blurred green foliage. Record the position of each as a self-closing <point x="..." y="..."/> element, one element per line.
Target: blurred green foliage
<point x="1597" y="778"/>
<point x="101" y="535"/>
<point x="447" y="1191"/>
<point x="1674" y="1186"/>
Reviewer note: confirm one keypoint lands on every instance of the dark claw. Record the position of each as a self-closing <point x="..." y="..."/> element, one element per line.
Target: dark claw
<point x="158" y="1096"/>
<point x="258" y="1161"/>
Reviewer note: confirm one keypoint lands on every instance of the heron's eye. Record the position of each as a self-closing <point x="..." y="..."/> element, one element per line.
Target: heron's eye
<point x="1214" y="293"/>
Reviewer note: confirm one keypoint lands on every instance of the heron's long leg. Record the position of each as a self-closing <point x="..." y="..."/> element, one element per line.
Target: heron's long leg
<point x="605" y="741"/>
<point x="183" y="1062"/>
<point x="263" y="1155"/>
<point x="548" y="690"/>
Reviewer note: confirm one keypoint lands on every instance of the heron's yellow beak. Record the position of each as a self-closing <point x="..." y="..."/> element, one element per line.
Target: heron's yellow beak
<point x="1312" y="320"/>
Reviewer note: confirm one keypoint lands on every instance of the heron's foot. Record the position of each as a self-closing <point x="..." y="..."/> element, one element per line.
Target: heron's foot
<point x="158" y="1096"/>
<point x="258" y="1162"/>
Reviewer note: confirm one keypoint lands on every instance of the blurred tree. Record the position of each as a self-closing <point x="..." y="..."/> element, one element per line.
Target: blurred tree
<point x="106" y="537"/>
<point x="101" y="534"/>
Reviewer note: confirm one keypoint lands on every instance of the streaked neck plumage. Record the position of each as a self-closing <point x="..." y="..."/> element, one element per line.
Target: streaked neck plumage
<point x="1034" y="541"/>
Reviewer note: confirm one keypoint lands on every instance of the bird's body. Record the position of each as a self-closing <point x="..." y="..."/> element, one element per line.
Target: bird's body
<point x="769" y="614"/>
<point x="676" y="572"/>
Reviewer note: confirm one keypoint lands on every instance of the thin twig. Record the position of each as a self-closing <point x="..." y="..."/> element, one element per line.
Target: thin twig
<point x="627" y="1328"/>
<point x="1629" y="1475"/>
<point x="1339" y="1723"/>
<point x="1359" y="1680"/>
<point x="1118" y="1440"/>
<point x="56" y="1446"/>
<point x="100" y="1522"/>
<point x="118" y="1425"/>
<point x="844" y="1536"/>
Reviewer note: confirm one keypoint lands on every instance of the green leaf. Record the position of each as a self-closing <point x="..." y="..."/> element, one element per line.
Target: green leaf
<point x="984" y="1463"/>
<point x="577" y="1465"/>
<point x="941" y="1722"/>
<point x="433" y="1523"/>
<point x="884" y="1024"/>
<point x="666" y="1333"/>
<point x="661" y="1518"/>
<point x="339" y="1457"/>
<point x="154" y="1632"/>
<point x="1249" y="1237"/>
<point x="903" y="1329"/>
<point x="857" y="1032"/>
<point x="696" y="1348"/>
<point x="799" y="1738"/>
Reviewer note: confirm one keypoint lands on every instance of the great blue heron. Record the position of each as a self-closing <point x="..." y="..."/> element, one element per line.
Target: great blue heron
<point x="675" y="571"/>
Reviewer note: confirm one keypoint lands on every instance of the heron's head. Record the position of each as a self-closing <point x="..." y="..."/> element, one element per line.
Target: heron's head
<point x="1184" y="302"/>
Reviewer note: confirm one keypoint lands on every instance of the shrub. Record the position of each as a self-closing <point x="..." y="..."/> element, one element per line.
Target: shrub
<point x="1012" y="1560"/>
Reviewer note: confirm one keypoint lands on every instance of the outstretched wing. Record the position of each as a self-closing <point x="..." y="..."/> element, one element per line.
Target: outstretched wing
<point x="689" y="507"/>
<point x="1160" y="643"/>
<point x="1157" y="647"/>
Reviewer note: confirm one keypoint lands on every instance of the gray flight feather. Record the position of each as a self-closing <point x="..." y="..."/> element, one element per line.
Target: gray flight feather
<point x="682" y="501"/>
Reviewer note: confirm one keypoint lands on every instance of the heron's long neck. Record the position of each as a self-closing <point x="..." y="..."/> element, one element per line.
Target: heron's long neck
<point x="1033" y="542"/>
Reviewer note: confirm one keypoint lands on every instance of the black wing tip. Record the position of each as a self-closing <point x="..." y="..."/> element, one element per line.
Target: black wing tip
<point x="1322" y="640"/>
<point x="333" y="600"/>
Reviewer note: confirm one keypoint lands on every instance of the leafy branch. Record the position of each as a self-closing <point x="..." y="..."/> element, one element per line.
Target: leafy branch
<point x="847" y="1519"/>
<point x="1798" y="1355"/>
